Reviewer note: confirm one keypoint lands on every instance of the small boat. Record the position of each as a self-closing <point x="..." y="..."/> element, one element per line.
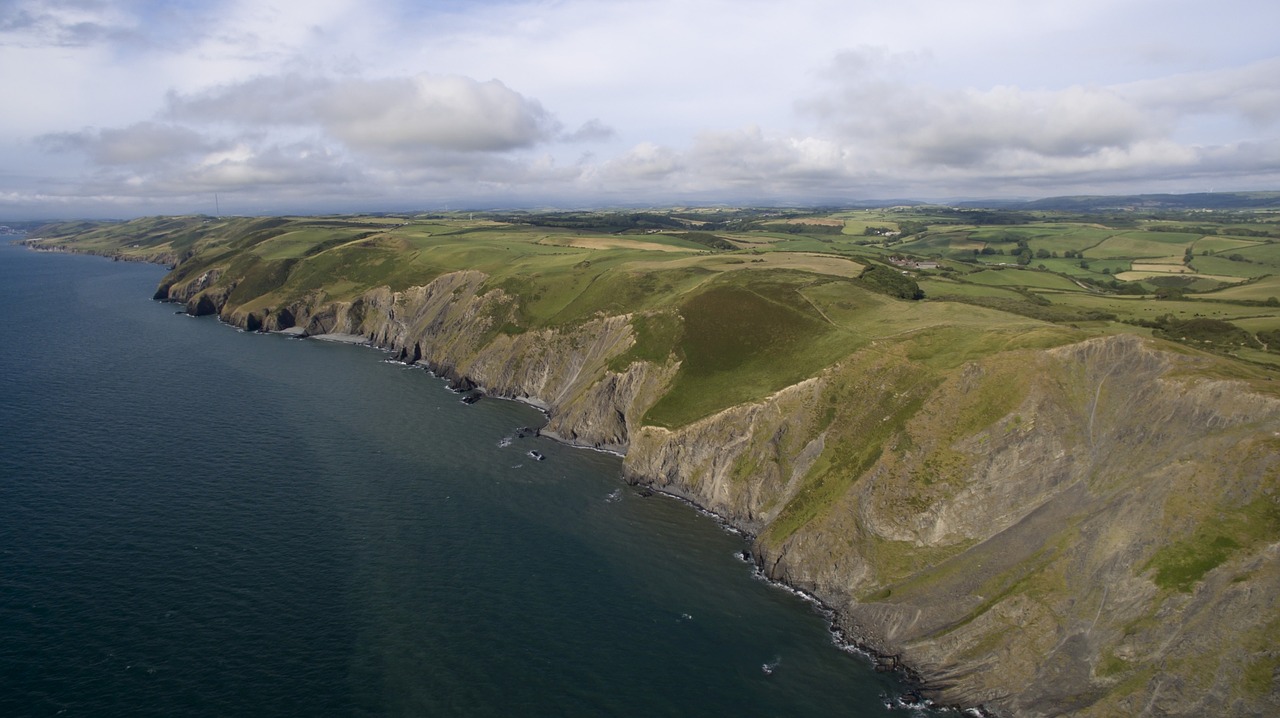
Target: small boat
<point x="536" y="455"/>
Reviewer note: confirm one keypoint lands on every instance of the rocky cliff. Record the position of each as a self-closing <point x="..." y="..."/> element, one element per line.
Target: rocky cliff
<point x="1089" y="529"/>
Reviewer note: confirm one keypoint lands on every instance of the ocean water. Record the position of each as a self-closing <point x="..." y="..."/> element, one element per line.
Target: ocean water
<point x="196" y="521"/>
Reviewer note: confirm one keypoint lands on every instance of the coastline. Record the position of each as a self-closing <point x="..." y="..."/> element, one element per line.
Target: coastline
<point x="461" y="384"/>
<point x="840" y="638"/>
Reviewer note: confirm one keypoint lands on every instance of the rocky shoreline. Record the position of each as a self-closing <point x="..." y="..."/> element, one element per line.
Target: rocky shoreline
<point x="466" y="386"/>
<point x="998" y="546"/>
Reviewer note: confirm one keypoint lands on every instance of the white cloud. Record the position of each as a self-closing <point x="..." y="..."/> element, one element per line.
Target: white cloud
<point x="452" y="113"/>
<point x="244" y="167"/>
<point x="389" y="117"/>
<point x="1250" y="93"/>
<point x="592" y="130"/>
<point x="673" y="99"/>
<point x="143" y="143"/>
<point x="750" y="157"/>
<point x="644" y="163"/>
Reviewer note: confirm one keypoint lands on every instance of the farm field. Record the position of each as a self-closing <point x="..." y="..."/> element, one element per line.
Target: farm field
<point x="826" y="283"/>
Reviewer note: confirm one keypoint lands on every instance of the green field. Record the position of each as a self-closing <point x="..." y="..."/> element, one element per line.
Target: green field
<point x="1259" y="291"/>
<point x="1221" y="244"/>
<point x="1063" y="237"/>
<point x="1030" y="279"/>
<point x="1141" y="245"/>
<point x="1265" y="253"/>
<point x="946" y="287"/>
<point x="1220" y="265"/>
<point x="753" y="300"/>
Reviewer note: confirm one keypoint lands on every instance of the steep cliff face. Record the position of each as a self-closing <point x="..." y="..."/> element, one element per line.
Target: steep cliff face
<point x="1051" y="532"/>
<point x="452" y="325"/>
<point x="1089" y="529"/>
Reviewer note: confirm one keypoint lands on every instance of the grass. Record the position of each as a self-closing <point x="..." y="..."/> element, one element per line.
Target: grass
<point x="1258" y="291"/>
<point x="656" y="340"/>
<point x="856" y="227"/>
<point x="942" y="288"/>
<point x="300" y="243"/>
<point x="1180" y="565"/>
<point x="1031" y="279"/>
<point x="1259" y="675"/>
<point x="1268" y="254"/>
<point x="1226" y="267"/>
<point x="861" y="421"/>
<point x="743" y="337"/>
<point x="1133" y="308"/>
<point x="1221" y="244"/>
<point x="743" y="322"/>
<point x="1138" y="245"/>
<point x="1072" y="268"/>
<point x="1062" y="237"/>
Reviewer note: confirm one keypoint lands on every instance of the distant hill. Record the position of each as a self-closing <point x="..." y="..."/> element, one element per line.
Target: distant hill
<point x="1103" y="203"/>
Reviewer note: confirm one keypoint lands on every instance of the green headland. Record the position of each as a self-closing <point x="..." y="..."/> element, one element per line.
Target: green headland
<point x="1033" y="451"/>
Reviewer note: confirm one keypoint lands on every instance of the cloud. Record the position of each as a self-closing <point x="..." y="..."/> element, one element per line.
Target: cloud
<point x="976" y="128"/>
<point x="1250" y="93"/>
<point x="245" y="167"/>
<point x="881" y="116"/>
<point x="60" y="23"/>
<point x="391" y="118"/>
<point x="760" y="100"/>
<point x="874" y="105"/>
<point x="143" y="143"/>
<point x="128" y="25"/>
<point x="278" y="133"/>
<point x="646" y="162"/>
<point x="749" y="156"/>
<point x="592" y="130"/>
<point x="292" y="169"/>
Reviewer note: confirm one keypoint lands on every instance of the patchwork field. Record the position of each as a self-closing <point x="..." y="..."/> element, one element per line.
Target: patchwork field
<point x="827" y="282"/>
<point x="620" y="243"/>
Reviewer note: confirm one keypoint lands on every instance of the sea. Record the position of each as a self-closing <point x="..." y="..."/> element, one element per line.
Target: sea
<point x="199" y="521"/>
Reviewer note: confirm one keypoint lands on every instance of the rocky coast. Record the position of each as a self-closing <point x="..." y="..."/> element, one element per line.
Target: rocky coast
<point x="1033" y="519"/>
<point x="1088" y="529"/>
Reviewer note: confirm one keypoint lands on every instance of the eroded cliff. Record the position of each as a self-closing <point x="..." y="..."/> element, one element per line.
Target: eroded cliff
<point x="1090" y="528"/>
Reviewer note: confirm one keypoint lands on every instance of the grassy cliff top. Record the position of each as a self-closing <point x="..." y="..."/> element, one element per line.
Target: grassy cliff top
<point x="751" y="301"/>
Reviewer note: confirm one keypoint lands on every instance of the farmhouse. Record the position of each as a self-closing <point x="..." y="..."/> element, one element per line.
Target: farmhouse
<point x="910" y="263"/>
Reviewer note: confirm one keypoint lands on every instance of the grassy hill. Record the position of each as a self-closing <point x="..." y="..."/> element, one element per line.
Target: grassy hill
<point x="1032" y="452"/>
<point x="1050" y="265"/>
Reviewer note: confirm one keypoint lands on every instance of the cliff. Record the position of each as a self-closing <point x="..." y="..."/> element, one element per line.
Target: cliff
<point x="1089" y="528"/>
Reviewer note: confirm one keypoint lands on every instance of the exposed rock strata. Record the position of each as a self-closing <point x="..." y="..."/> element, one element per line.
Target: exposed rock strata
<point x="995" y="525"/>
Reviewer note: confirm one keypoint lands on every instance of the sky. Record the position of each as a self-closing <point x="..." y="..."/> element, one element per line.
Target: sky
<point x="123" y="108"/>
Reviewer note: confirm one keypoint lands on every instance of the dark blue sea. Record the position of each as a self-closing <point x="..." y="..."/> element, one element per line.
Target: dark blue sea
<point x="196" y="521"/>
